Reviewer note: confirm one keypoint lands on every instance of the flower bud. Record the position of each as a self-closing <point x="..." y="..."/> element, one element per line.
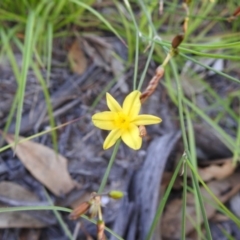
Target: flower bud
<point x="80" y="210"/>
<point x="115" y="194"/>
<point x="177" y="40"/>
<point x="142" y="131"/>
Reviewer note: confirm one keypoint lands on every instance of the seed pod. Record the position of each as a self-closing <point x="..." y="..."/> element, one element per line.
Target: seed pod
<point x="80" y="210"/>
<point x="115" y="194"/>
<point x="142" y="131"/>
<point x="152" y="84"/>
<point x="177" y="40"/>
<point x="100" y="230"/>
<point x="185" y="24"/>
<point x="235" y="14"/>
<point x="188" y="2"/>
<point x="159" y="71"/>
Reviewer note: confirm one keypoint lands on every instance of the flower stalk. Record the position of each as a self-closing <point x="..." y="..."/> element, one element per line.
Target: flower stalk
<point x="106" y="174"/>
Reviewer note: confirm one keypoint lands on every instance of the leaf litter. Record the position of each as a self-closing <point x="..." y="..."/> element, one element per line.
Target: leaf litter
<point x="224" y="184"/>
<point x="15" y="195"/>
<point x="45" y="165"/>
<point x="87" y="161"/>
<point x="77" y="59"/>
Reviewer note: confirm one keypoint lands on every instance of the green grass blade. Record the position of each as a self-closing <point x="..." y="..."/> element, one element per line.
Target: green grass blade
<point x="192" y="148"/>
<point x="56" y="208"/>
<point x="210" y="68"/>
<point x="223" y="136"/>
<point x="111" y="161"/>
<point x="223" y="208"/>
<point x="136" y="44"/>
<point x="59" y="217"/>
<point x="186" y="146"/>
<point x="199" y="196"/>
<point x="143" y="75"/>
<point x="27" y="55"/>
<point x="236" y="154"/>
<point x="164" y="200"/>
<point x="98" y="15"/>
<point x="48" y="105"/>
<point x="184" y="200"/>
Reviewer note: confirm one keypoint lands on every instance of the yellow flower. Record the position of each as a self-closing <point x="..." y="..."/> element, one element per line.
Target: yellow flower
<point x="123" y="121"/>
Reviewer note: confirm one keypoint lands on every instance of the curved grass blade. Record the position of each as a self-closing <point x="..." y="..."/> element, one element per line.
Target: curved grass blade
<point x="98" y="15"/>
<point x="27" y="54"/>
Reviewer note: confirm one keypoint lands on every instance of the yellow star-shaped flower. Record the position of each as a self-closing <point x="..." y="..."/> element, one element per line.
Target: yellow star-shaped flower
<point x="123" y="121"/>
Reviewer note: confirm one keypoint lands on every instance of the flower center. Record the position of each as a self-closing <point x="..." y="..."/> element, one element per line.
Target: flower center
<point x="121" y="120"/>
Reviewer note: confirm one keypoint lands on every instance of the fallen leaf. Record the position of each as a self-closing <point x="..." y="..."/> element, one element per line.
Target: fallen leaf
<point x="215" y="171"/>
<point x="235" y="14"/>
<point x="172" y="218"/>
<point x="14" y="194"/>
<point x="45" y="165"/>
<point x="19" y="220"/>
<point x="219" y="217"/>
<point x="77" y="58"/>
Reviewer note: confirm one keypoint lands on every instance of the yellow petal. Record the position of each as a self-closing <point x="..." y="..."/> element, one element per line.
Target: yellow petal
<point x="111" y="139"/>
<point x="104" y="120"/>
<point x="112" y="103"/>
<point x="131" y="137"/>
<point x="132" y="104"/>
<point x="146" y="119"/>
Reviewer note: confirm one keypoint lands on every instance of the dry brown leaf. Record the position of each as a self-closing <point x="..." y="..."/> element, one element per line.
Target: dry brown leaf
<point x="15" y="195"/>
<point x="215" y="171"/>
<point x="19" y="220"/>
<point x="45" y="165"/>
<point x="13" y="191"/>
<point x="219" y="217"/>
<point x="77" y="58"/>
<point x="172" y="217"/>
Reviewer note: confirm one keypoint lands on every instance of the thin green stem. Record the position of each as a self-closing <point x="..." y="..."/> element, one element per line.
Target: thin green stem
<point x="186" y="146"/>
<point x="222" y="207"/>
<point x="49" y="53"/>
<point x="48" y="105"/>
<point x="164" y="200"/>
<point x="63" y="209"/>
<point x="136" y="46"/>
<point x="193" y="159"/>
<point x="59" y="217"/>
<point x="236" y="153"/>
<point x="106" y="174"/>
<point x="146" y="66"/>
<point x="18" y="209"/>
<point x="180" y="105"/>
<point x="27" y="53"/>
<point x="205" y="219"/>
<point x="184" y="200"/>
